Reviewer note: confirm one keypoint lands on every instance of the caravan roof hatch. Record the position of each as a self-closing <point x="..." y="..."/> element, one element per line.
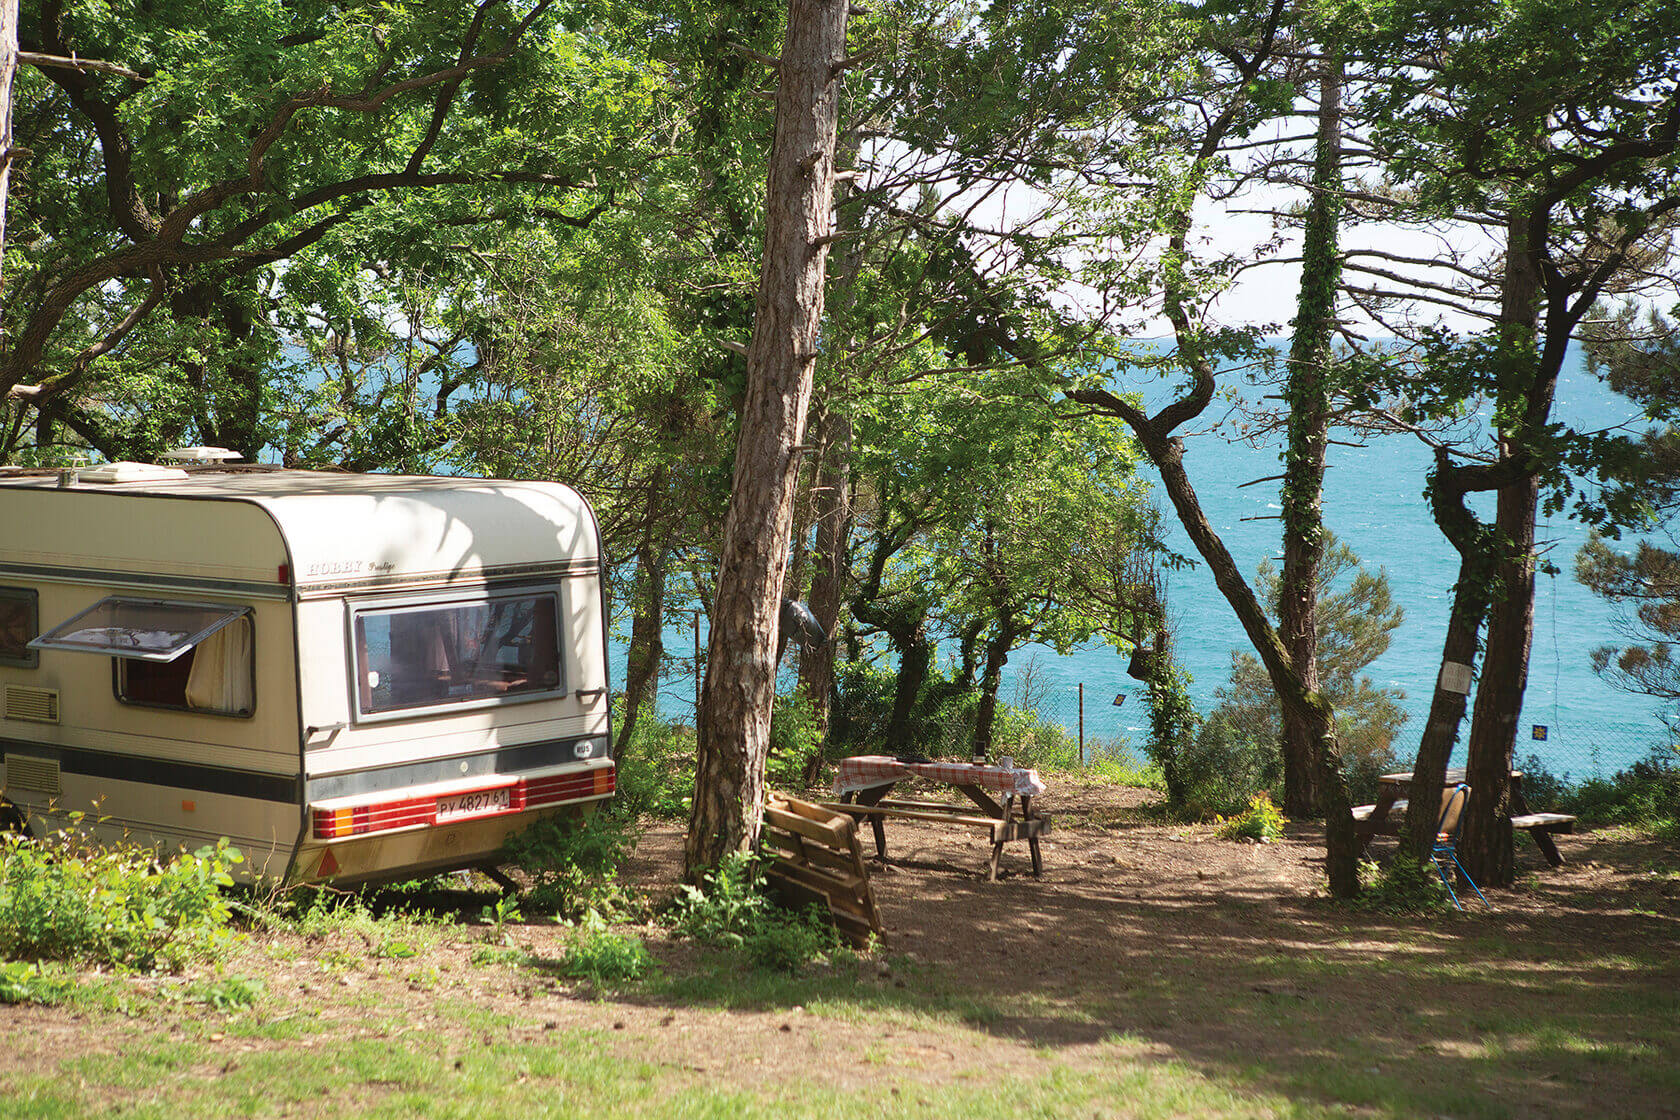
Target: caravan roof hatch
<point x="147" y="629"/>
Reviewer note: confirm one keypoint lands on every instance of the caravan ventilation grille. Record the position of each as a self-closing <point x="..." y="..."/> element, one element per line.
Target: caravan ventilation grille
<point x="37" y="705"/>
<point x="38" y="775"/>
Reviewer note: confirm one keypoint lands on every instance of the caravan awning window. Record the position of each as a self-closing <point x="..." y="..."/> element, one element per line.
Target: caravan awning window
<point x="144" y="629"/>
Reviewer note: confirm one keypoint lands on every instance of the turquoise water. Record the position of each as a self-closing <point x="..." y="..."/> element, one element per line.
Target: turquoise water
<point x="1374" y="502"/>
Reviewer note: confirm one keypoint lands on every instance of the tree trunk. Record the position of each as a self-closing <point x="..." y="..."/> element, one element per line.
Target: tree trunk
<point x="991" y="678"/>
<point x="1458" y="653"/>
<point x="1167" y="453"/>
<point x="8" y="67"/>
<point x="829" y="571"/>
<point x="1486" y="846"/>
<point x="1307" y="395"/>
<point x="647" y="639"/>
<point x="739" y="689"/>
<point x="1527" y="379"/>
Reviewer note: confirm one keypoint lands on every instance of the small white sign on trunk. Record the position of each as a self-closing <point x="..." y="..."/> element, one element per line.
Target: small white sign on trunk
<point x="1455" y="677"/>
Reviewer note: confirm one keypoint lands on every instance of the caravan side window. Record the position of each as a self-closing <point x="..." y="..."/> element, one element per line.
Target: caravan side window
<point x="217" y="676"/>
<point x="19" y="618"/>
<point x="429" y="655"/>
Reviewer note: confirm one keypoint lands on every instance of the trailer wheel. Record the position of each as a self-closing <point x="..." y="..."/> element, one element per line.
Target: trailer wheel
<point x="11" y="818"/>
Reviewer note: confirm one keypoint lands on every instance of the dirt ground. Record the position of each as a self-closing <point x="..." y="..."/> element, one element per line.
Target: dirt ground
<point x="1142" y="942"/>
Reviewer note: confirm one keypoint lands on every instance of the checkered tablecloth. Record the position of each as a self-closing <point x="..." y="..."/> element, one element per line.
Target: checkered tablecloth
<point x="868" y="770"/>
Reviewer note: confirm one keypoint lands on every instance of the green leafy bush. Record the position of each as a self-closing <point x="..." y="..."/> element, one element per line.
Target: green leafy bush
<point x="1646" y="795"/>
<point x="795" y="736"/>
<point x="730" y="910"/>
<point x="70" y="898"/>
<point x="727" y="904"/>
<point x="603" y="956"/>
<point x="656" y="770"/>
<point x="1403" y="886"/>
<point x="33" y="982"/>
<point x="1221" y="768"/>
<point x="1113" y="761"/>
<point x="1261" y="821"/>
<point x="572" y="862"/>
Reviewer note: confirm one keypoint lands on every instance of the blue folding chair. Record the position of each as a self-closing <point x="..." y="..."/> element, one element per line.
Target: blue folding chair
<point x="1446" y="842"/>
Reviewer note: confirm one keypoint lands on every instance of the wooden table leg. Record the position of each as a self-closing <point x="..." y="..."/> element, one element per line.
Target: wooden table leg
<point x="873" y="796"/>
<point x="1542" y="839"/>
<point x="1387" y="794"/>
<point x="992" y="871"/>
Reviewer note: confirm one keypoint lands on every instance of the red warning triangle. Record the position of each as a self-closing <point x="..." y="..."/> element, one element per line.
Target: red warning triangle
<point x="329" y="866"/>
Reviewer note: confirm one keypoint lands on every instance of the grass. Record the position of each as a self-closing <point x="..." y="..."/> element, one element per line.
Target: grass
<point x="1430" y="1044"/>
<point x="396" y="1006"/>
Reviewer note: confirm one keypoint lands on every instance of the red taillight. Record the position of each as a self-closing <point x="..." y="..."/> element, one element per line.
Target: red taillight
<point x="408" y="812"/>
<point x="381" y="816"/>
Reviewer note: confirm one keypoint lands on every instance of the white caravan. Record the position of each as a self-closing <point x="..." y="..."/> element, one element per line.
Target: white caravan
<point x="352" y="677"/>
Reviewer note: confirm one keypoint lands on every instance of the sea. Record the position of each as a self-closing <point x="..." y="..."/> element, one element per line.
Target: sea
<point x="1572" y="722"/>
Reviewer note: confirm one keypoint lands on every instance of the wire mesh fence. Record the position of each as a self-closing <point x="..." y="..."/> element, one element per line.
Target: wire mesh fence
<point x="1571" y="750"/>
<point x="1088" y="723"/>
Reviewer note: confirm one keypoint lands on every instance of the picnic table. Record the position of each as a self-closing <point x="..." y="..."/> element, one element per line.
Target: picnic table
<point x="1392" y="794"/>
<point x="863" y="783"/>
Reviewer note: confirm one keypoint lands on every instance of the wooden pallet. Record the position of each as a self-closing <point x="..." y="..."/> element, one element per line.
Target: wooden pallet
<point x="812" y="856"/>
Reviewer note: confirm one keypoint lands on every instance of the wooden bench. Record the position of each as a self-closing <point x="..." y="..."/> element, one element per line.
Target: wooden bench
<point x="1002" y="829"/>
<point x="1383" y="818"/>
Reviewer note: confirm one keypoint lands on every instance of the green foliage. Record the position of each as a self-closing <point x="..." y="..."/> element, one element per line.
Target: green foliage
<point x="1173" y="722"/>
<point x="1113" y="761"/>
<point x="499" y="913"/>
<point x="605" y="957"/>
<point x="69" y="897"/>
<point x="795" y="736"/>
<point x="572" y="862"/>
<point x="656" y="770"/>
<point x="34" y="982"/>
<point x="1356" y="616"/>
<point x="225" y="993"/>
<point x="1261" y="821"/>
<point x="1223" y="768"/>
<point x="730" y="910"/>
<point x="729" y="901"/>
<point x="1403" y="886"/>
<point x="941" y="724"/>
<point x="1646" y="795"/>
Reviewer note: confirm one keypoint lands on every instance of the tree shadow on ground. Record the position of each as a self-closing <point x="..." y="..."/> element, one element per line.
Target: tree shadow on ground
<point x="1565" y="1000"/>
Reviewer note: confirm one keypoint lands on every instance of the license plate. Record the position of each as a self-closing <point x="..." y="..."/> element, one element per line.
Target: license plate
<point x="475" y="804"/>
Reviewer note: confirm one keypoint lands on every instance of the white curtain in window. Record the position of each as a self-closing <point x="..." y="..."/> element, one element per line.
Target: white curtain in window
<point x="220" y="680"/>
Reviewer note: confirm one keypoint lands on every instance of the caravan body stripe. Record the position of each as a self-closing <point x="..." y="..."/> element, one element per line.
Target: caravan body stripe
<point x="149" y="770"/>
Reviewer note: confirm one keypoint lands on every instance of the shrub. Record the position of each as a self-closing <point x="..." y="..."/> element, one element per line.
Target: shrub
<point x="1646" y="795"/>
<point x="33" y="982"/>
<point x="729" y="901"/>
<point x="1033" y="741"/>
<point x="655" y="770"/>
<point x="1262" y="821"/>
<point x="573" y="862"/>
<point x="68" y="897"/>
<point x="1403" y="886"/>
<point x="603" y="956"/>
<point x="1112" y="760"/>
<point x="794" y="737"/>
<point x="1221" y="769"/>
<point x="729" y="910"/>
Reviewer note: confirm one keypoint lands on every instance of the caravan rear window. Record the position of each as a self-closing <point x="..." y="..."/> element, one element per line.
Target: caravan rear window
<point x="428" y="655"/>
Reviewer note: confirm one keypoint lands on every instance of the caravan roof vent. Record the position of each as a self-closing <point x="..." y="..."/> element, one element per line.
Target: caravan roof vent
<point x="200" y="455"/>
<point x="132" y="472"/>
